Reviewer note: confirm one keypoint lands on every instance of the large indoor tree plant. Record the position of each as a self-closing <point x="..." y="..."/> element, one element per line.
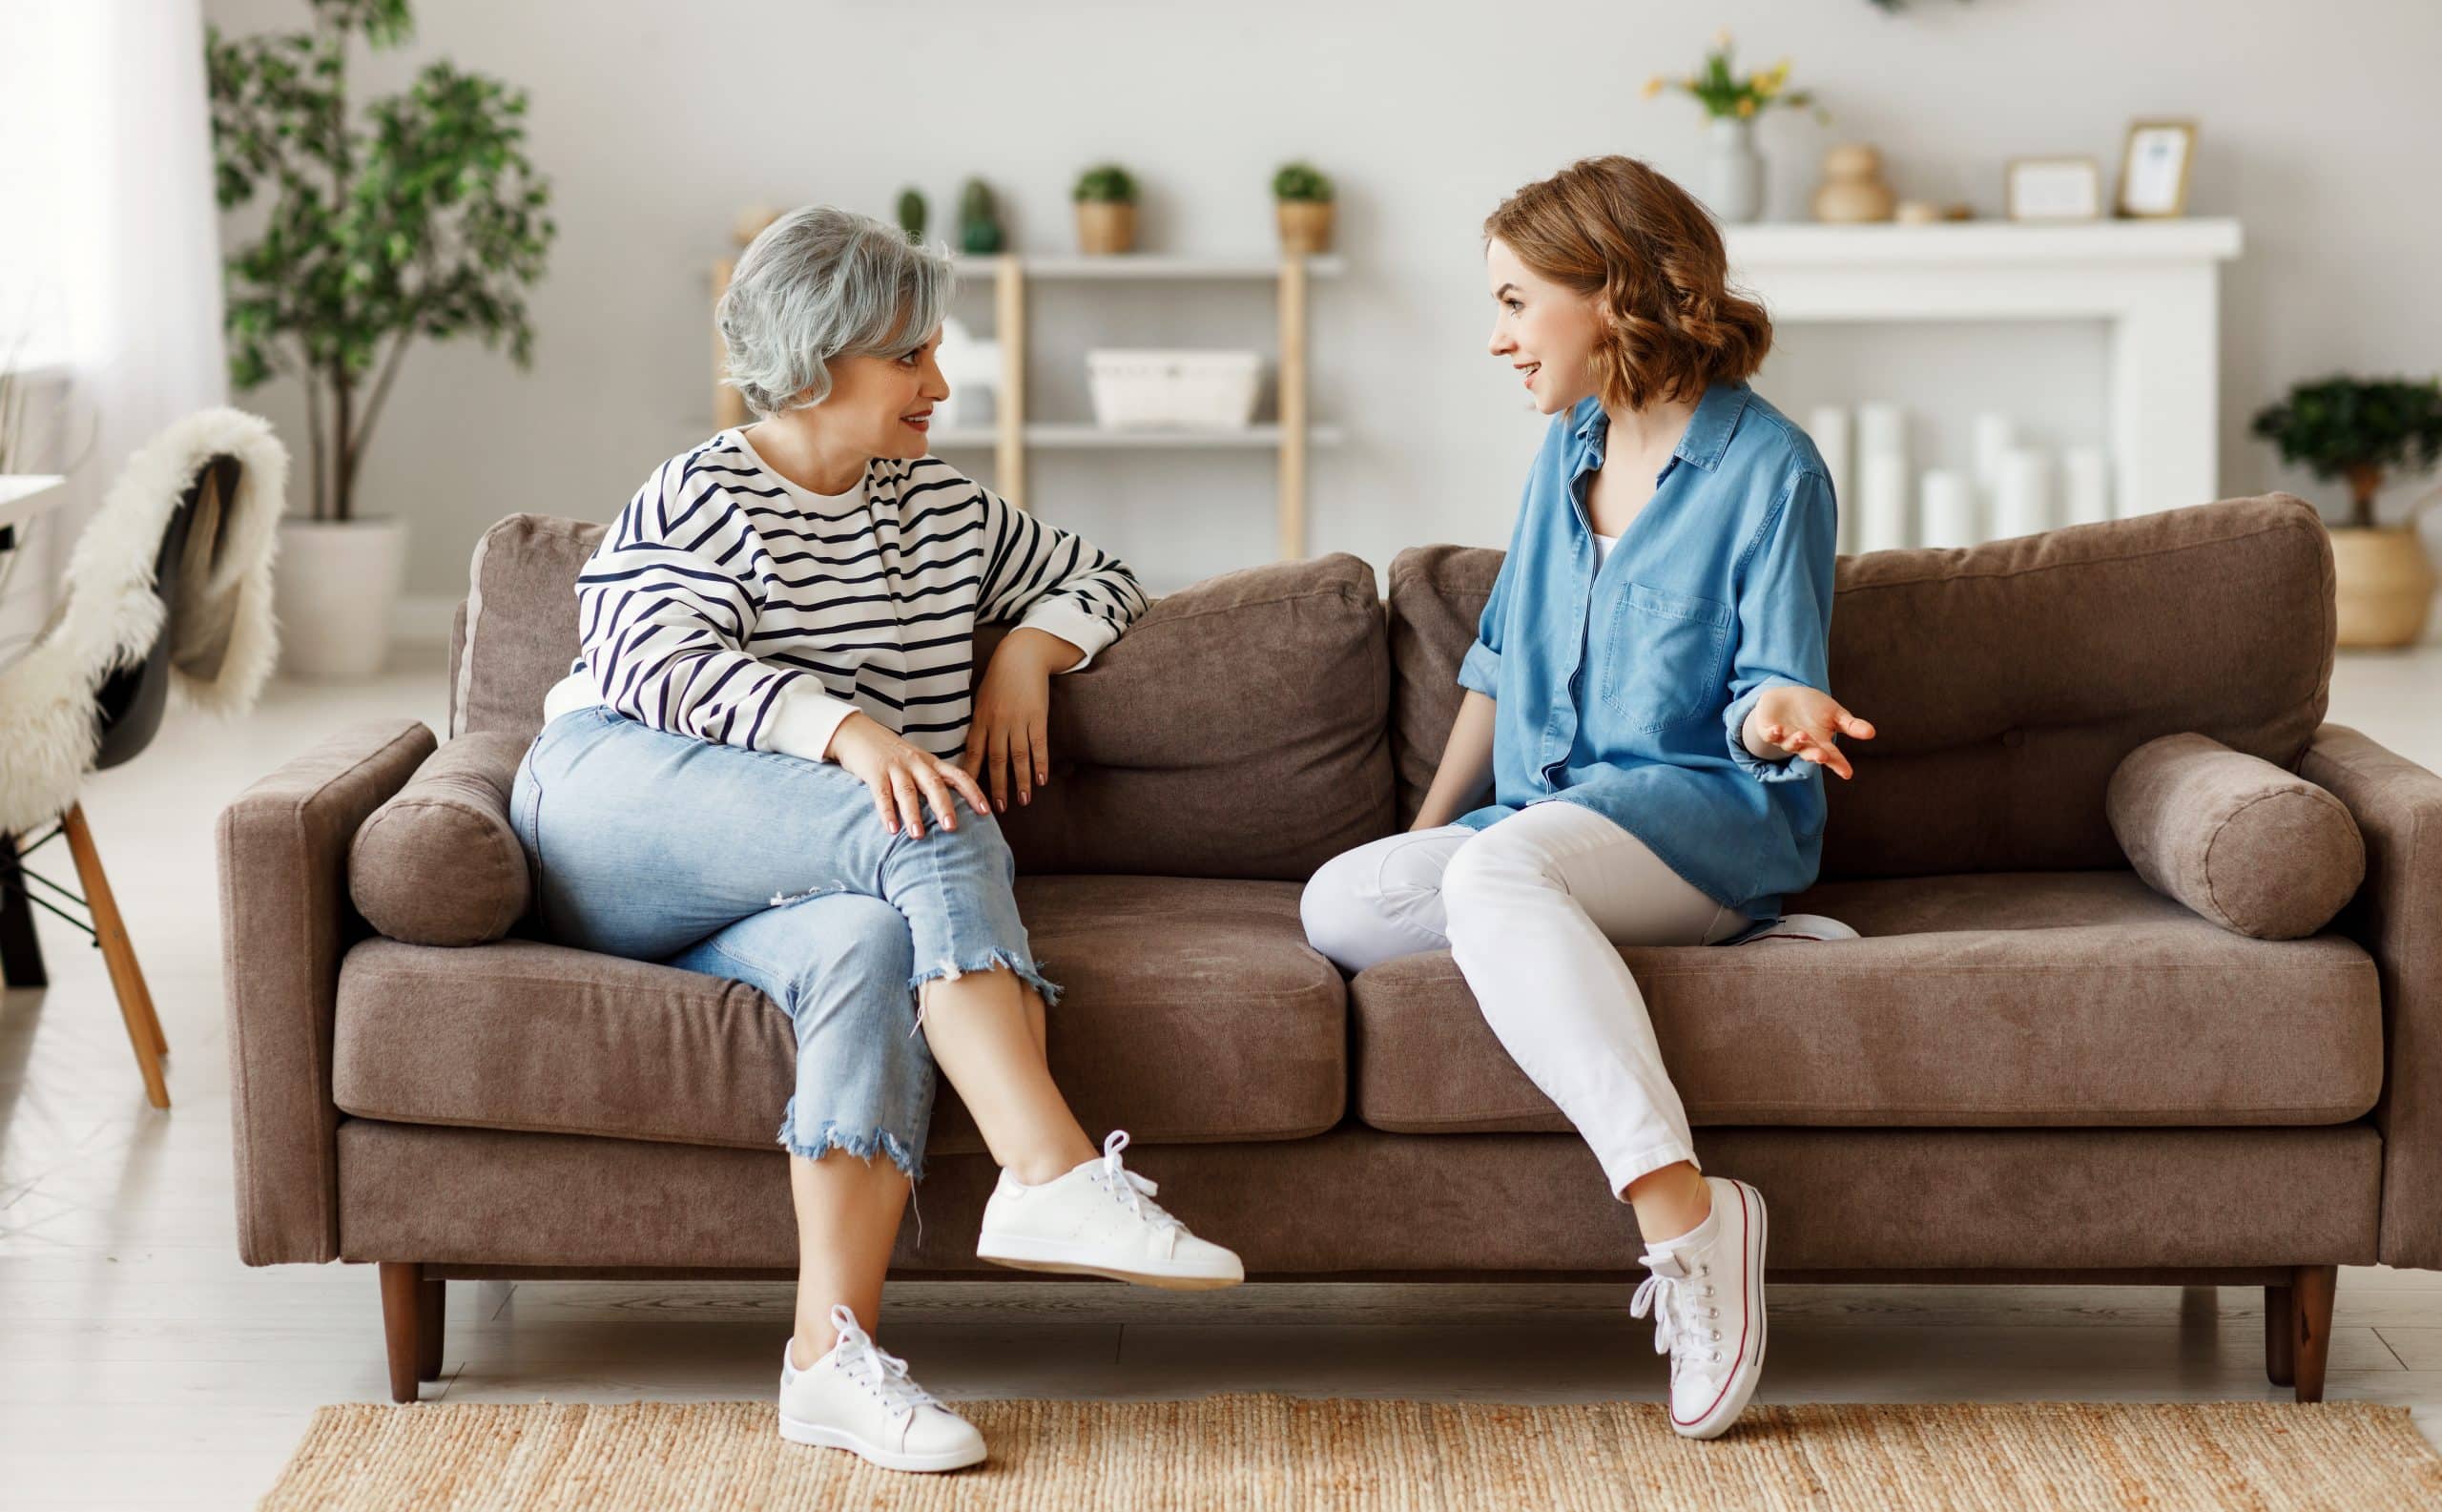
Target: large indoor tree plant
<point x="2356" y="429"/>
<point x="424" y="218"/>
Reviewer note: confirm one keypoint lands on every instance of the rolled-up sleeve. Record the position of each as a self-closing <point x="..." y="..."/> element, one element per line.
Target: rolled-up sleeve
<point x="1785" y="614"/>
<point x="1481" y="668"/>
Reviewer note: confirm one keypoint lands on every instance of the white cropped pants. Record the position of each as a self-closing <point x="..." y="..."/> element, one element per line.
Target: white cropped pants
<point x="1531" y="908"/>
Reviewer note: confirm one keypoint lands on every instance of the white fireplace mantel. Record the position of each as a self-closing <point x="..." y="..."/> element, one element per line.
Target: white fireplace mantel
<point x="2154" y="283"/>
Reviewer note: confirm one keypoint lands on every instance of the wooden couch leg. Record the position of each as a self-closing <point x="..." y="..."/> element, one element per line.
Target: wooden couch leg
<point x="2279" y="1336"/>
<point x="431" y="1309"/>
<point x="2311" y="1290"/>
<point x="404" y="1300"/>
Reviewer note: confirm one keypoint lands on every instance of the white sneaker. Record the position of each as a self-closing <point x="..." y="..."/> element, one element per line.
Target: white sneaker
<point x="1800" y="926"/>
<point x="1707" y="1296"/>
<point x="1096" y="1220"/>
<point x="857" y="1397"/>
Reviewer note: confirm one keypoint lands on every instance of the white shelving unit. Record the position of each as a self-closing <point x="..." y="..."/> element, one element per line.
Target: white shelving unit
<point x="1012" y="435"/>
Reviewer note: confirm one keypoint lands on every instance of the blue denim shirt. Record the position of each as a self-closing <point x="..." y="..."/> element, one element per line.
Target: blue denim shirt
<point x="1624" y="690"/>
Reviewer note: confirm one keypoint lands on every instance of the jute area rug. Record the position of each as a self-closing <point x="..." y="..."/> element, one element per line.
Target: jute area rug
<point x="1266" y="1451"/>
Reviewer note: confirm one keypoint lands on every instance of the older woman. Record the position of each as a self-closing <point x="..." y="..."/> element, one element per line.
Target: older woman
<point x="1648" y="710"/>
<point x="772" y="696"/>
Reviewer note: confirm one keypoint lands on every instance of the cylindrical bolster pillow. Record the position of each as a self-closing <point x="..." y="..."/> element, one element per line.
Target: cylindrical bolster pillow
<point x="439" y="864"/>
<point x="2257" y="850"/>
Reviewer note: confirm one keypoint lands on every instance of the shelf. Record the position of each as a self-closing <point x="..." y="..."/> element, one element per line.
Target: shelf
<point x="1146" y="265"/>
<point x="1078" y="437"/>
<point x="1979" y="243"/>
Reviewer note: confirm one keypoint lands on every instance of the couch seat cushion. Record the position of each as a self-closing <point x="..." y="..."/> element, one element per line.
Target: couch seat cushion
<point x="1191" y="1011"/>
<point x="2005" y="999"/>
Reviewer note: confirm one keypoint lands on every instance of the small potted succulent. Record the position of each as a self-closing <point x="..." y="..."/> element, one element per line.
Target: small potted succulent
<point x="1302" y="198"/>
<point x="1105" y="196"/>
<point x="978" y="220"/>
<point x="912" y="214"/>
<point x="2355" y="428"/>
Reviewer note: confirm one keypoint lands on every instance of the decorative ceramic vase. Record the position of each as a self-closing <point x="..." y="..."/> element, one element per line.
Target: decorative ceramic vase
<point x="1735" y="171"/>
<point x="1106" y="226"/>
<point x="1853" y="191"/>
<point x="333" y="589"/>
<point x="2383" y="585"/>
<point x="1305" y="225"/>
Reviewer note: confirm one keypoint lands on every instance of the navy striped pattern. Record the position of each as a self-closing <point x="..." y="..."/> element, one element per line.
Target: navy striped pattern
<point x="713" y="594"/>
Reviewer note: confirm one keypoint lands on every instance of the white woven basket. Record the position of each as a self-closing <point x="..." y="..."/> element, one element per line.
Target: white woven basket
<point x="1174" y="390"/>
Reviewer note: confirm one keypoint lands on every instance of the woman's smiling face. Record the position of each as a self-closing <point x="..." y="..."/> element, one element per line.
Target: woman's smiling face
<point x="882" y="406"/>
<point x="1544" y="331"/>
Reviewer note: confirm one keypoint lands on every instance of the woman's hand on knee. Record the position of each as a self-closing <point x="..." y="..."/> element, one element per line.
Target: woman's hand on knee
<point x="902" y="777"/>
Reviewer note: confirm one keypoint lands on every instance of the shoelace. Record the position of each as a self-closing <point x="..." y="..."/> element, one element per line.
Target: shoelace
<point x="1132" y="1190"/>
<point x="882" y="1372"/>
<point x="1674" y="1296"/>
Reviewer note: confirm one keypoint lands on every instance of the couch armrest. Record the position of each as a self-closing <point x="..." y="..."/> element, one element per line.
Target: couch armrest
<point x="2397" y="917"/>
<point x="285" y="920"/>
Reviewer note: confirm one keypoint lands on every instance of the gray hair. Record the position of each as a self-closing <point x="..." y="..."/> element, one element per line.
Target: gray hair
<point x="818" y="283"/>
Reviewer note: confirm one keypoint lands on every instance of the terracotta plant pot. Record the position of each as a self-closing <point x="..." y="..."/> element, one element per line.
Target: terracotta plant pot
<point x="2384" y="585"/>
<point x="1106" y="226"/>
<point x="1305" y="225"/>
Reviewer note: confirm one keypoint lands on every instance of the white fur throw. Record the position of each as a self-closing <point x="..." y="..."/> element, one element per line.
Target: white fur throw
<point x="222" y="641"/>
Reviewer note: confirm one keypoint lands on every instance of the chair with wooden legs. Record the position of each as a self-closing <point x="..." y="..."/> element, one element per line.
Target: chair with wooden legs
<point x="101" y="673"/>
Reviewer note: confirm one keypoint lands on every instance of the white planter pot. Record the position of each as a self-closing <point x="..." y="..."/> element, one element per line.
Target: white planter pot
<point x="1734" y="171"/>
<point x="333" y="592"/>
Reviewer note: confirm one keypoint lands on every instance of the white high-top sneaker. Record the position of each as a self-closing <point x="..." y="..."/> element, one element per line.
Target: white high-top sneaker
<point x="858" y="1397"/>
<point x="1097" y="1219"/>
<point x="1707" y="1296"/>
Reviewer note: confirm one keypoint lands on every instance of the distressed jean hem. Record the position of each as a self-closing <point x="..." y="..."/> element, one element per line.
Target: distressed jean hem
<point x="858" y="1142"/>
<point x="1025" y="970"/>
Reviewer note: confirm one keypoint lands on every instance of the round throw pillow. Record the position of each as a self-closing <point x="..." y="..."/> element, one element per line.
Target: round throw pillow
<point x="439" y="864"/>
<point x="2258" y="850"/>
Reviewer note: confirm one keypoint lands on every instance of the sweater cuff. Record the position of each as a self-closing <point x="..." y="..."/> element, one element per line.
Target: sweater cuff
<point x="806" y="720"/>
<point x="1062" y="617"/>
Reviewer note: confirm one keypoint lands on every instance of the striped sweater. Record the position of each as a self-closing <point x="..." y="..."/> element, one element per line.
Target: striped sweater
<point x="730" y="604"/>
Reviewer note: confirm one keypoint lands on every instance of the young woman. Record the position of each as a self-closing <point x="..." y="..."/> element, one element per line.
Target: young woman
<point x="1646" y="700"/>
<point x="734" y="778"/>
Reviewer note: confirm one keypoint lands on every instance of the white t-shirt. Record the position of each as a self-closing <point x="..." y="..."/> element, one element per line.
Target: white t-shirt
<point x="1603" y="544"/>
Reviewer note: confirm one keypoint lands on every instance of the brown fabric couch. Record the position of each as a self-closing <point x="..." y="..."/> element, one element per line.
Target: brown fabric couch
<point x="2031" y="1066"/>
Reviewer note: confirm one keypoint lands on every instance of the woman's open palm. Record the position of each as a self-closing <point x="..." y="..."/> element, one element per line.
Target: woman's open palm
<point x="1807" y="723"/>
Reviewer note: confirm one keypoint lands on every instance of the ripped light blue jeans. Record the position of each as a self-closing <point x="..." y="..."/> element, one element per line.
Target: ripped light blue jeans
<point x="775" y="871"/>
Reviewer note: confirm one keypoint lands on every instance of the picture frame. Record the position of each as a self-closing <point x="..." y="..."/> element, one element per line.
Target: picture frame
<point x="2154" y="167"/>
<point x="2054" y="189"/>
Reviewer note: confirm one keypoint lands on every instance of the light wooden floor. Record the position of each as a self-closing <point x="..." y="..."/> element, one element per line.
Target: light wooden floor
<point x="141" y="1364"/>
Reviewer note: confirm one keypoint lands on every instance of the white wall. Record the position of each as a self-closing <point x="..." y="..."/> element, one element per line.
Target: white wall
<point x="657" y="122"/>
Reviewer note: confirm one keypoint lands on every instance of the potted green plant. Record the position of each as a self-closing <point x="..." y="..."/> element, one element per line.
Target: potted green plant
<point x="979" y="219"/>
<point x="1302" y="200"/>
<point x="1735" y="169"/>
<point x="2355" y="429"/>
<point x="911" y="213"/>
<point x="423" y="220"/>
<point x="1105" y="196"/>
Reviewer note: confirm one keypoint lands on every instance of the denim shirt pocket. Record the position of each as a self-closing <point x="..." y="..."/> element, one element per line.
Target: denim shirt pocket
<point x="1665" y="658"/>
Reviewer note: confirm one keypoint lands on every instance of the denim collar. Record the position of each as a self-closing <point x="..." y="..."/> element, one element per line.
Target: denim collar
<point x="1709" y="428"/>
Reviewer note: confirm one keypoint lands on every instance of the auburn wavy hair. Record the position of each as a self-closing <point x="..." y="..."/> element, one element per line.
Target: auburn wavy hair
<point x="1645" y="249"/>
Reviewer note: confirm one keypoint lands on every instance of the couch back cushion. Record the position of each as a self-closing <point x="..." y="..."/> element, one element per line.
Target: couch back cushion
<point x="1239" y="729"/>
<point x="2005" y="681"/>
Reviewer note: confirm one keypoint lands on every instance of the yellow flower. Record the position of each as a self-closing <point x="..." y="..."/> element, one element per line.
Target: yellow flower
<point x="1780" y="73"/>
<point x="1653" y="86"/>
<point x="1766" y="86"/>
<point x="1721" y="38"/>
<point x="1746" y="107"/>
